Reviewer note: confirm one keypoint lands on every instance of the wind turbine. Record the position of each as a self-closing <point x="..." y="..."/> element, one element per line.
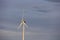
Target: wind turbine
<point x="23" y="25"/>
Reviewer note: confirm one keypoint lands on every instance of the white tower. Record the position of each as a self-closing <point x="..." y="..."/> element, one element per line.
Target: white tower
<point x="23" y="25"/>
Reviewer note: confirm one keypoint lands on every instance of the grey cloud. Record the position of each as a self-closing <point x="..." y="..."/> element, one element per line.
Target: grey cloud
<point x="2" y="4"/>
<point x="42" y="8"/>
<point x="2" y="27"/>
<point x="38" y="9"/>
<point x="53" y="0"/>
<point x="41" y="11"/>
<point x="57" y="5"/>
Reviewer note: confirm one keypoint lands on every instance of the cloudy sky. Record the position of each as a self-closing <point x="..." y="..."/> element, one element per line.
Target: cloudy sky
<point x="42" y="18"/>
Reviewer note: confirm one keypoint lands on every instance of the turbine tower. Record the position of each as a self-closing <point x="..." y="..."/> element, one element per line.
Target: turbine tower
<point x="23" y="25"/>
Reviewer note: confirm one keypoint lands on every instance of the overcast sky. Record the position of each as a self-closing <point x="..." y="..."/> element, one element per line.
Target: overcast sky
<point x="42" y="17"/>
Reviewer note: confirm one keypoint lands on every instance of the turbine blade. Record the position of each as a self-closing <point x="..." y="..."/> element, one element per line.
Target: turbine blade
<point x="26" y="25"/>
<point x="19" y="26"/>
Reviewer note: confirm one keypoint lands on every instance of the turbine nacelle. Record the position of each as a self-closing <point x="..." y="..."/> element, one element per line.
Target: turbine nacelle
<point x="23" y="23"/>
